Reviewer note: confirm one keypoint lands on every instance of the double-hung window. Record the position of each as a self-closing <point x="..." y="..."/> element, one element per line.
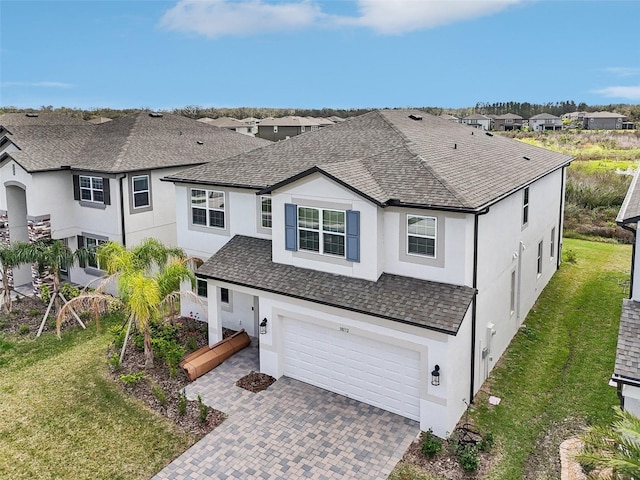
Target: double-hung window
<point x="525" y="206"/>
<point x="201" y="286"/>
<point x="91" y="189"/>
<point x="207" y="208"/>
<point x="540" y="248"/>
<point x="92" y="244"/>
<point x="265" y="211"/>
<point x="141" y="192"/>
<point x="552" y="244"/>
<point x="321" y="230"/>
<point x="421" y="235"/>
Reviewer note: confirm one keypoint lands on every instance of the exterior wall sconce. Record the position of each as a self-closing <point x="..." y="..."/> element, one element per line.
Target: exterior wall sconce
<point x="435" y="376"/>
<point x="263" y="326"/>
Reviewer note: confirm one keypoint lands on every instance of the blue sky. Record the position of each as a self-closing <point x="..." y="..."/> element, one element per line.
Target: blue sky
<point x="315" y="54"/>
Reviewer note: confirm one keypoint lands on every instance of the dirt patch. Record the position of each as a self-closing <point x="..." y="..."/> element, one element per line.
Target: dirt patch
<point x="25" y="317"/>
<point x="255" y="382"/>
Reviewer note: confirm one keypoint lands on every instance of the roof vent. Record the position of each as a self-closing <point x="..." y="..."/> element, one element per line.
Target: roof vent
<point x="526" y="158"/>
<point x="415" y="117"/>
<point x="155" y="114"/>
<point x="199" y="142"/>
<point x="32" y="115"/>
<point x="488" y="134"/>
<point x="455" y="146"/>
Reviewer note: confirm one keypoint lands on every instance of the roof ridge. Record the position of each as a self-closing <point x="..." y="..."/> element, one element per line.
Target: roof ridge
<point x="125" y="146"/>
<point x="422" y="162"/>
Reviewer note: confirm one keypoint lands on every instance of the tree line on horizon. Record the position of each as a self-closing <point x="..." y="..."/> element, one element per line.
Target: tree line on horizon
<point x="524" y="109"/>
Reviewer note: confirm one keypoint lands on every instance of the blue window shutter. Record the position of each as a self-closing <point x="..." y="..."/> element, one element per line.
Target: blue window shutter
<point x="290" y="226"/>
<point x="353" y="236"/>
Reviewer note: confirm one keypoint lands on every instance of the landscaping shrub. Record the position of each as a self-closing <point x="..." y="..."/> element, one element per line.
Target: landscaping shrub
<point x="468" y="458"/>
<point x="431" y="445"/>
<point x="24" y="329"/>
<point x="117" y="332"/>
<point x="159" y="394"/>
<point x="486" y="443"/>
<point x="131" y="378"/>
<point x="164" y="340"/>
<point x="182" y="403"/>
<point x="45" y="293"/>
<point x="570" y="256"/>
<point x="114" y="362"/>
<point x="203" y="410"/>
<point x="68" y="291"/>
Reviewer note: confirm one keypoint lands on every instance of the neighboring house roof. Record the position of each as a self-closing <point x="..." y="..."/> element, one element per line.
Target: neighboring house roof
<point x="336" y="119"/>
<point x="447" y="116"/>
<point x="290" y="121"/>
<point x="628" y="351"/>
<point x="508" y="116"/>
<point x="604" y="115"/>
<point x="246" y="261"/>
<point x="630" y="209"/>
<point x="544" y="116"/>
<point x="223" y="122"/>
<point x="476" y="116"/>
<point x="391" y="159"/>
<point x="323" y="122"/>
<point x="137" y="142"/>
<point x="39" y="119"/>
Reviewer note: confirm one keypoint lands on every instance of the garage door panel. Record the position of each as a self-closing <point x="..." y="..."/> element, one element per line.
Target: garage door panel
<point x="366" y="369"/>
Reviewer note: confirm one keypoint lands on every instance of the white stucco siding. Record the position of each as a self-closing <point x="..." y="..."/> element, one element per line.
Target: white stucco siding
<point x="631" y="395"/>
<point x="507" y="247"/>
<point x="440" y="406"/>
<point x="318" y="191"/>
<point x="454" y="240"/>
<point x="11" y="173"/>
<point x="455" y="372"/>
<point x="241" y="218"/>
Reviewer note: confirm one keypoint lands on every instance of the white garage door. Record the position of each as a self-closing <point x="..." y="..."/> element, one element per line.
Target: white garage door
<point x="373" y="372"/>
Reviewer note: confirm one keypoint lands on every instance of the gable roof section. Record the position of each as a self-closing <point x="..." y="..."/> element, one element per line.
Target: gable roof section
<point x="604" y="115"/>
<point x="630" y="209"/>
<point x="39" y="119"/>
<point x="543" y="116"/>
<point x="628" y="350"/>
<point x="136" y="142"/>
<point x="246" y="261"/>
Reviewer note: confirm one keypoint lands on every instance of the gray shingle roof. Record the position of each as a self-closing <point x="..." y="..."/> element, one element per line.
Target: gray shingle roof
<point x="476" y="116"/>
<point x="430" y="162"/>
<point x="630" y="209"/>
<point x="135" y="142"/>
<point x="247" y="261"/>
<point x="508" y="116"/>
<point x="604" y="115"/>
<point x="543" y="116"/>
<point x="39" y="119"/>
<point x="628" y="351"/>
<point x="290" y="121"/>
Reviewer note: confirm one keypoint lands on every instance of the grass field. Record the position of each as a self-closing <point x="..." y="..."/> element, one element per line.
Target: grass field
<point x="62" y="418"/>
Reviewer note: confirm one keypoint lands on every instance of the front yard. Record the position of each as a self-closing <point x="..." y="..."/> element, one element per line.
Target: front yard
<point x="553" y="379"/>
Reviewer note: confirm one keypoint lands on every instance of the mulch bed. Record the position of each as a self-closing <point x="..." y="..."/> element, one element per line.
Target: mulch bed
<point x="25" y="317"/>
<point x="255" y="382"/>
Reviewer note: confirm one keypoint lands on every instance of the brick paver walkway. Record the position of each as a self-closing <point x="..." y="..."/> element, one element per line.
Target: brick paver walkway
<point x="291" y="430"/>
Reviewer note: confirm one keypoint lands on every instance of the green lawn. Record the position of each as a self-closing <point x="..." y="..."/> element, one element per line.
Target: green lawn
<point x="554" y="377"/>
<point x="62" y="418"/>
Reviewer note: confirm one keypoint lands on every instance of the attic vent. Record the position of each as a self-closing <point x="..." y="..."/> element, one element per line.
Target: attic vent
<point x="199" y="142"/>
<point x="415" y="117"/>
<point x="32" y="114"/>
<point x="155" y="114"/>
<point x="488" y="134"/>
<point x="526" y="158"/>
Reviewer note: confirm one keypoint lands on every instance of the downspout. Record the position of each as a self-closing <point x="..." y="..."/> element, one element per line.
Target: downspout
<point x="560" y="218"/>
<point x="633" y="255"/>
<point x="475" y="302"/>
<point x="122" y="222"/>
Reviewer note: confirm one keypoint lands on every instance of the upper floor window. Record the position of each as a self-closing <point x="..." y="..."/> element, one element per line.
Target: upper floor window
<point x="141" y="192"/>
<point x="539" y="268"/>
<point x="321" y="230"/>
<point x="525" y="206"/>
<point x="91" y="189"/>
<point x="265" y="211"/>
<point x="421" y="235"/>
<point x="509" y="120"/>
<point x="207" y="208"/>
<point x="552" y="247"/>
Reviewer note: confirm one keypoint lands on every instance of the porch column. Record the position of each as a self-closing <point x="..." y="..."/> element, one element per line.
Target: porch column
<point x="214" y="313"/>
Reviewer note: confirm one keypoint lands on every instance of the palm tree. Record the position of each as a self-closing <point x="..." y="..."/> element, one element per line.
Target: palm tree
<point x="55" y="255"/>
<point x="10" y="257"/>
<point x="615" y="448"/>
<point x="149" y="278"/>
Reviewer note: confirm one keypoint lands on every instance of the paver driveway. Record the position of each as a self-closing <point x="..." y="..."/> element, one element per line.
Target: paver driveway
<point x="291" y="430"/>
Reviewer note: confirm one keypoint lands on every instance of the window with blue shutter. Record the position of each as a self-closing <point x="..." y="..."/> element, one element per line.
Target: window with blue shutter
<point x="353" y="236"/>
<point x="290" y="226"/>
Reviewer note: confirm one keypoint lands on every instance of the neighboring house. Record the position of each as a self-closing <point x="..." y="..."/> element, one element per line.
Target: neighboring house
<point x="545" y="121"/>
<point x="626" y="373"/>
<point x="322" y="122"/>
<point x="85" y="184"/>
<point x="449" y="117"/>
<point x="603" y="121"/>
<point x="508" y="121"/>
<point x="477" y="120"/>
<point x="390" y="258"/>
<point x="230" y="124"/>
<point x="281" y="128"/>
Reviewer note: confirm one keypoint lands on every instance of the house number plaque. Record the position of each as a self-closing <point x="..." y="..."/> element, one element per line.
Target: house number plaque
<point x="344" y="329"/>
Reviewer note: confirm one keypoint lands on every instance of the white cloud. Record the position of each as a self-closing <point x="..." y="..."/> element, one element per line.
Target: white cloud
<point x="216" y="18"/>
<point x="624" y="71"/>
<point x="629" y="92"/>
<point x="38" y="84"/>
<point x="402" y="16"/>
